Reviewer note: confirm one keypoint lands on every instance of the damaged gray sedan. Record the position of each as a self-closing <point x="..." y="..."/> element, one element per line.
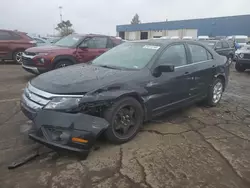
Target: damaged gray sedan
<point x="118" y="91"/>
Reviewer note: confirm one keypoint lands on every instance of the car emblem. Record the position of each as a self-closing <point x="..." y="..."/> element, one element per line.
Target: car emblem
<point x="29" y="95"/>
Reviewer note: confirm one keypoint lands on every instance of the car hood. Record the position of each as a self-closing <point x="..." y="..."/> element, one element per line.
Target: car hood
<point x="49" y="48"/>
<point x="80" y="79"/>
<point x="243" y="51"/>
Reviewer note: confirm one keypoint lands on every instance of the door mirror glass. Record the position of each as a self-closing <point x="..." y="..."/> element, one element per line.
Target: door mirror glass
<point x="163" y="68"/>
<point x="166" y="68"/>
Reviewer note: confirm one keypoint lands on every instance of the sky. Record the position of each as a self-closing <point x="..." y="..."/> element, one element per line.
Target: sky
<point x="102" y="16"/>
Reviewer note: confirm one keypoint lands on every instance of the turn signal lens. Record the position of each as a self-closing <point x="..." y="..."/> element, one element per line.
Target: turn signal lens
<point x="80" y="140"/>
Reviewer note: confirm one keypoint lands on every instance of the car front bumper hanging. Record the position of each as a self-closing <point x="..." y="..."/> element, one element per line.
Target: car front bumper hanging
<point x="66" y="131"/>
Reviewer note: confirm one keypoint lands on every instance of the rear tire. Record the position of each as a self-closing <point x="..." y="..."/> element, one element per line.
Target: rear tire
<point x="62" y="64"/>
<point x="116" y="132"/>
<point x="239" y="67"/>
<point x="215" y="93"/>
<point x="17" y="56"/>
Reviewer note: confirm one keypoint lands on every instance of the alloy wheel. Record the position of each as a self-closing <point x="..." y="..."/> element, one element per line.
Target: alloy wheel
<point x="19" y="57"/>
<point x="217" y="92"/>
<point x="125" y="122"/>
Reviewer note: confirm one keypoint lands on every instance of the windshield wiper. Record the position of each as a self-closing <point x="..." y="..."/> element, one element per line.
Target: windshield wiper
<point x="109" y="67"/>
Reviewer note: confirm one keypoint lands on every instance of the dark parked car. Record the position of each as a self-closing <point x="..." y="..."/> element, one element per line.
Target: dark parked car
<point x="243" y="59"/>
<point x="222" y="47"/>
<point x="121" y="89"/>
<point x="13" y="43"/>
<point x="67" y="51"/>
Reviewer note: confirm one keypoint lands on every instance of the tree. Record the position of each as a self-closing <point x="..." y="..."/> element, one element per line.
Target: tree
<point x="136" y="19"/>
<point x="65" y="28"/>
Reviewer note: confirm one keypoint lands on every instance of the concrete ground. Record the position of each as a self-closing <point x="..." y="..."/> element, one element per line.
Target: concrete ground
<point x="195" y="147"/>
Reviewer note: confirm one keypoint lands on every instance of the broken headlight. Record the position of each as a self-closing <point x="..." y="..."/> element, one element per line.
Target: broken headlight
<point x="63" y="103"/>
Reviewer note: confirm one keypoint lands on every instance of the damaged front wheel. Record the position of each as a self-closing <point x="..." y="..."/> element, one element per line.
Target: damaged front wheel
<point x="125" y="118"/>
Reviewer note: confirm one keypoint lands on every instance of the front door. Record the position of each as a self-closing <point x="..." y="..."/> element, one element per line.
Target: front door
<point x="170" y="88"/>
<point x="91" y="48"/>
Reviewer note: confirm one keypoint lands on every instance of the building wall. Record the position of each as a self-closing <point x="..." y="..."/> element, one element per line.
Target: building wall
<point x="221" y="26"/>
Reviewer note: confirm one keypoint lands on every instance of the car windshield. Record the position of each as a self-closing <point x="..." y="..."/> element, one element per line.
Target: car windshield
<point x="68" y="41"/>
<point x="241" y="40"/>
<point x="209" y="43"/>
<point x="129" y="55"/>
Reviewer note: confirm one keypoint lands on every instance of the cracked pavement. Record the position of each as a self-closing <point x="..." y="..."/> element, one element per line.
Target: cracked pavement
<point x="192" y="147"/>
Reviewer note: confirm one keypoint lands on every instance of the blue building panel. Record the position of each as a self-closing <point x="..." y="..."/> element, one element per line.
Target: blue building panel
<point x="220" y="26"/>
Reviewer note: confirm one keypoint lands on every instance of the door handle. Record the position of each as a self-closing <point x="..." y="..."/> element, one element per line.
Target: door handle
<point x="213" y="66"/>
<point x="186" y="73"/>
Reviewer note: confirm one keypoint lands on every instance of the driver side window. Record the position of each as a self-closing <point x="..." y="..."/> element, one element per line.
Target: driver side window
<point x="174" y="55"/>
<point x="96" y="42"/>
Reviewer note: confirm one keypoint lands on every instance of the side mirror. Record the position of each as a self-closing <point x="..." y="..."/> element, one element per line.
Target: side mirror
<point x="163" y="68"/>
<point x="166" y="68"/>
<point x="83" y="46"/>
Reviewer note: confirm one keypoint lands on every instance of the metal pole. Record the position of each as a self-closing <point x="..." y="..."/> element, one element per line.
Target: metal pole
<point x="60" y="10"/>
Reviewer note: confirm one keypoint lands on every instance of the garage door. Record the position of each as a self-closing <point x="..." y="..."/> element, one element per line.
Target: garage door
<point x="173" y="33"/>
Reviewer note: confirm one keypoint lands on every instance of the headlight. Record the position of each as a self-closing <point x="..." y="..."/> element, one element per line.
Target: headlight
<point x="42" y="54"/>
<point x="63" y="103"/>
<point x="241" y="55"/>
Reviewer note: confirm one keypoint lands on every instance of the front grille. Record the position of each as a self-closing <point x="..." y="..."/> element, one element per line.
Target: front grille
<point x="33" y="100"/>
<point x="246" y="56"/>
<point x="27" y="61"/>
<point x="37" y="99"/>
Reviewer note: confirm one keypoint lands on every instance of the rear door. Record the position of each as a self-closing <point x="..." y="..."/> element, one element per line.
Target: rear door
<point x="5" y="39"/>
<point x="96" y="46"/>
<point x="203" y="66"/>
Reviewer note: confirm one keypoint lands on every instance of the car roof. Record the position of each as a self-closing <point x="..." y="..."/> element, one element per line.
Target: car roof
<point x="210" y="40"/>
<point x="89" y="35"/>
<point x="164" y="42"/>
<point x="15" y="31"/>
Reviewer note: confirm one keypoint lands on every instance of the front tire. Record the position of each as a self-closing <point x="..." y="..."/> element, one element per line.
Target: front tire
<point x="215" y="93"/>
<point x="230" y="59"/>
<point x="62" y="64"/>
<point x="17" y="56"/>
<point x="239" y="67"/>
<point x="125" y="118"/>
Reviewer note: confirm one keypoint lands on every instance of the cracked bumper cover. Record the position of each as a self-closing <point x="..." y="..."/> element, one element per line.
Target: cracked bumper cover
<point x="56" y="129"/>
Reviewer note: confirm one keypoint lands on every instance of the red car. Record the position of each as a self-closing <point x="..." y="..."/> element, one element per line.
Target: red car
<point x="67" y="51"/>
<point x="13" y="43"/>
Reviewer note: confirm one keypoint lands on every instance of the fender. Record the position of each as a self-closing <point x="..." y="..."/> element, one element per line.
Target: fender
<point x="106" y="96"/>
